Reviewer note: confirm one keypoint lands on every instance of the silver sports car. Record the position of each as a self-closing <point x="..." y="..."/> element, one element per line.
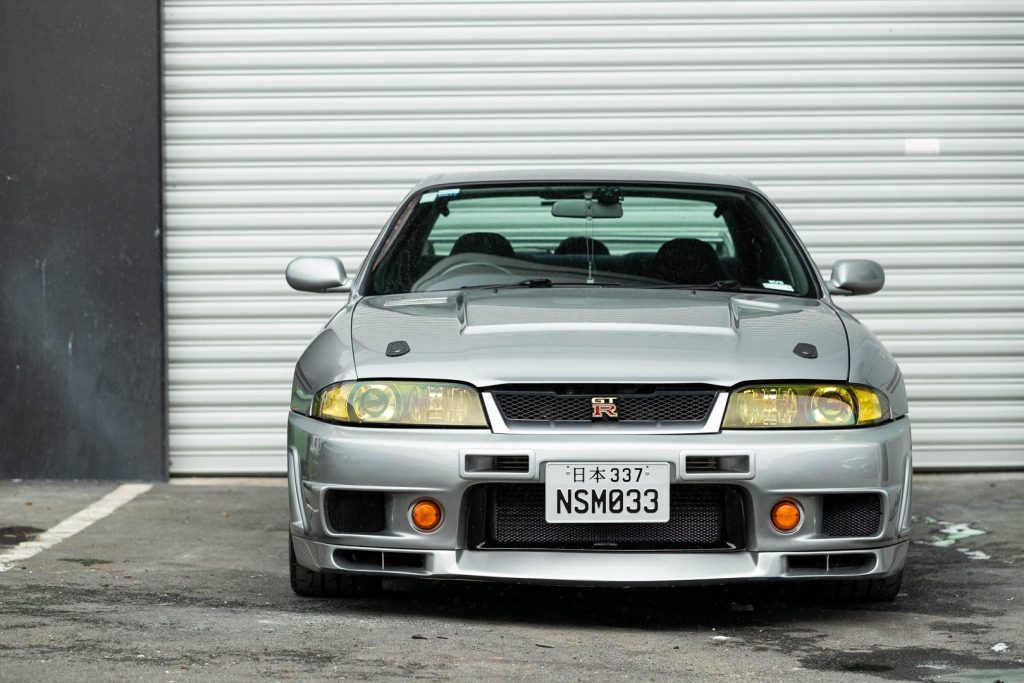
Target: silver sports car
<point x="601" y="378"/>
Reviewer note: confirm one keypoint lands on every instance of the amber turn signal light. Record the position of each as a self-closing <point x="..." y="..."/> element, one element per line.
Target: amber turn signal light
<point x="785" y="515"/>
<point x="426" y="515"/>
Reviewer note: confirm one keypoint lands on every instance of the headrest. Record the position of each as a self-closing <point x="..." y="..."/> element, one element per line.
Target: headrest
<point x="483" y="243"/>
<point x="688" y="262"/>
<point x="578" y="245"/>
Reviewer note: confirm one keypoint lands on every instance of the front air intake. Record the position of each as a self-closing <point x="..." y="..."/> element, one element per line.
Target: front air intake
<point x="512" y="463"/>
<point x="721" y="464"/>
<point x="476" y="463"/>
<point x="703" y="517"/>
<point x="851" y="515"/>
<point x="355" y="512"/>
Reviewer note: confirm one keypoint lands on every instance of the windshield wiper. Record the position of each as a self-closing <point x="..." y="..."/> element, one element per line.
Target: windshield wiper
<point x="726" y="286"/>
<point x="730" y="285"/>
<point x="542" y="282"/>
<point x="534" y="282"/>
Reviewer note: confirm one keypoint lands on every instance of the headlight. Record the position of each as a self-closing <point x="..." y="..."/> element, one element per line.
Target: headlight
<point x="792" y="406"/>
<point x="403" y="404"/>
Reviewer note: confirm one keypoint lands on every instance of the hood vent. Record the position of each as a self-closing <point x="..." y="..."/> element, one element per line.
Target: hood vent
<point x="397" y="348"/>
<point x="806" y="350"/>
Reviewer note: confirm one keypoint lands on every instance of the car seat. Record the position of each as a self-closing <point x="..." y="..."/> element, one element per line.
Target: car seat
<point x="688" y="262"/>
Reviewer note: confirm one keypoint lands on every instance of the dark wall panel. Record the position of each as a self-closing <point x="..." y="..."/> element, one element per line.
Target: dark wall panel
<point x="81" y="258"/>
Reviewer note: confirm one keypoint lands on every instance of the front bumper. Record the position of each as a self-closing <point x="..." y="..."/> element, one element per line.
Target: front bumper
<point x="410" y="464"/>
<point x="603" y="568"/>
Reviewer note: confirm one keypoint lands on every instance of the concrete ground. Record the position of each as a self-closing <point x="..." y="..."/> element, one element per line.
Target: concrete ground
<point x="189" y="581"/>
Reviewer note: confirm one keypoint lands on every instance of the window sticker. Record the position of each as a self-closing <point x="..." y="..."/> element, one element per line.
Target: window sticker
<point x="427" y="197"/>
<point x="448" y="193"/>
<point x="777" y="284"/>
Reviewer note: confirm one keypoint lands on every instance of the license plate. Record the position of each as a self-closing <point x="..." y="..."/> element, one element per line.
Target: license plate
<point x="606" y="492"/>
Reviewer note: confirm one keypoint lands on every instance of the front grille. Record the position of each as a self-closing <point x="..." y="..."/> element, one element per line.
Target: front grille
<point x="701" y="517"/>
<point x="851" y="515"/>
<point x="654" y="407"/>
<point x="355" y="512"/>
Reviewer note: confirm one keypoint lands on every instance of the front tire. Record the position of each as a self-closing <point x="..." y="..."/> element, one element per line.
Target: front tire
<point x="314" y="584"/>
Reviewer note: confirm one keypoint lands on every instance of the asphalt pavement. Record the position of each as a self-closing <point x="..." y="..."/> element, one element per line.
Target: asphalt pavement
<point x="189" y="581"/>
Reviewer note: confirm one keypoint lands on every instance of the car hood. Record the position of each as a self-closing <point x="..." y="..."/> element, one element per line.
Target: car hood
<point x="487" y="337"/>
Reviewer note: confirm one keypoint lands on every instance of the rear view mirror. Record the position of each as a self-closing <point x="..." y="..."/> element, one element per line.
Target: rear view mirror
<point x="856" y="276"/>
<point x="585" y="208"/>
<point x="317" y="274"/>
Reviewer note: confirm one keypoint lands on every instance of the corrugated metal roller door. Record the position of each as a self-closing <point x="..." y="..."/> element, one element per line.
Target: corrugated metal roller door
<point x="293" y="128"/>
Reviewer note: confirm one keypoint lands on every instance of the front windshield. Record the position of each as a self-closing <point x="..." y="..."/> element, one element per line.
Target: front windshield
<point x="588" y="235"/>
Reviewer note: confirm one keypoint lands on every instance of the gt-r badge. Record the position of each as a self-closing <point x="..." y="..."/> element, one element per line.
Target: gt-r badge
<point x="604" y="408"/>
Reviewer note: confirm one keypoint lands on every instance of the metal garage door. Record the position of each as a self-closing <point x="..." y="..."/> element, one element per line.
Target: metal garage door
<point x="886" y="129"/>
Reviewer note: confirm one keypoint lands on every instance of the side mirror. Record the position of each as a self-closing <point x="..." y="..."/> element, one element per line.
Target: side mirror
<point x="856" y="276"/>
<point x="317" y="274"/>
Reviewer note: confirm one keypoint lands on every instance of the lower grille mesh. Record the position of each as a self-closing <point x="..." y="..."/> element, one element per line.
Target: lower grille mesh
<point x="851" y="515"/>
<point x="355" y="512"/>
<point x="512" y="516"/>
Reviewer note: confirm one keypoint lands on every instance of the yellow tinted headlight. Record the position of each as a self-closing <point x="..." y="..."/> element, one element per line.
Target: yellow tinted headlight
<point x="872" y="406"/>
<point x="406" y="404"/>
<point x="795" y="406"/>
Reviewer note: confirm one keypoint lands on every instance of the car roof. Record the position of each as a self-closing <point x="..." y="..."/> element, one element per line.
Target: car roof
<point x="581" y="175"/>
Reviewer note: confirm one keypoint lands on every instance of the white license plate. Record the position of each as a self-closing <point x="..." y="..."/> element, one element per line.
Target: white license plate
<point x="606" y="492"/>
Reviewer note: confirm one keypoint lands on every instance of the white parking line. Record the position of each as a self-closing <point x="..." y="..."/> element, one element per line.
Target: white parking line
<point x="72" y="525"/>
